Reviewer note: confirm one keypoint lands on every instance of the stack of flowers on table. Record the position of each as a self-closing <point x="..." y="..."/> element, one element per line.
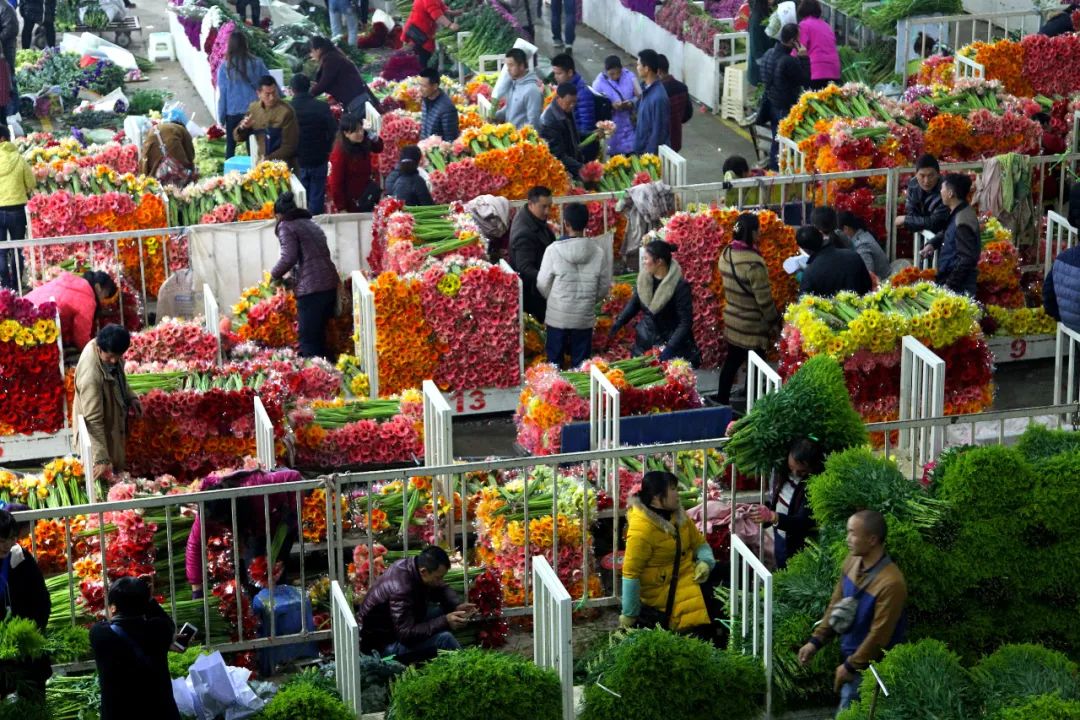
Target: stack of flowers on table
<point x="405" y="237"/>
<point x="1036" y="65"/>
<point x="618" y="347"/>
<point x="975" y="120"/>
<point x="61" y="483"/>
<point x="700" y="235"/>
<point x="234" y="197"/>
<point x="935" y="70"/>
<point x="864" y="334"/>
<point x="560" y="510"/>
<point x="620" y="172"/>
<point x="196" y="422"/>
<point x="399" y="128"/>
<point x="429" y="324"/>
<point x="178" y="340"/>
<point x="53" y="165"/>
<point x="266" y="314"/>
<point x="31" y="382"/>
<point x="498" y="160"/>
<point x="552" y="398"/>
<point x="343" y="433"/>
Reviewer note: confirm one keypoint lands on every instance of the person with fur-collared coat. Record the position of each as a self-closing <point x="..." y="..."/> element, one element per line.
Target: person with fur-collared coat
<point x="657" y="529"/>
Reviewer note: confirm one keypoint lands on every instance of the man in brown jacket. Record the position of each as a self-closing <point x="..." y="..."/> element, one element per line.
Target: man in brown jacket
<point x="102" y="398"/>
<point x="167" y="139"/>
<point x="874" y="590"/>
<point x="273" y="123"/>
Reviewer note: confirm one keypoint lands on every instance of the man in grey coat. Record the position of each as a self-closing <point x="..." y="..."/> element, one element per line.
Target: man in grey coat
<point x="575" y="274"/>
<point x="522" y="92"/>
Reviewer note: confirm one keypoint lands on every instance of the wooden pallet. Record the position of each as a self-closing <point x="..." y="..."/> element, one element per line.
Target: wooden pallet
<point x="121" y="30"/>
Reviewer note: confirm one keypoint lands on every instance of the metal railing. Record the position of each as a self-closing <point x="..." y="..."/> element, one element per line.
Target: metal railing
<point x="752" y="608"/>
<point x="363" y="307"/>
<point x="346" y="648"/>
<point x="672" y="166"/>
<point x="264" y="436"/>
<point x="86" y="456"/>
<point x="921" y="240"/>
<point x="922" y="396"/>
<point x="1060" y="236"/>
<point x="761" y="379"/>
<point x="438" y="447"/>
<point x="1067" y="343"/>
<point x="211" y="317"/>
<point x="965" y="67"/>
<point x="552" y="630"/>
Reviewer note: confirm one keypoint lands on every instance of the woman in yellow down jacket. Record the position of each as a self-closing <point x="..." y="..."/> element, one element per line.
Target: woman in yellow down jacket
<point x="655" y="519"/>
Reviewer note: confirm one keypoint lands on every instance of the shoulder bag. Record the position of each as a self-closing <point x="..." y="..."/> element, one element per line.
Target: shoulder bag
<point x="842" y="615"/>
<point x="649" y="616"/>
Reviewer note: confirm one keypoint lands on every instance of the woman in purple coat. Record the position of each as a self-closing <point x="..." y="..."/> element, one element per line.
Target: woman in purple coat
<point x="621" y="88"/>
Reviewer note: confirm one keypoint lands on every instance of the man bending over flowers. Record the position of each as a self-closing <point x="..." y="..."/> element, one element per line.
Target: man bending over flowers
<point x="410" y="612"/>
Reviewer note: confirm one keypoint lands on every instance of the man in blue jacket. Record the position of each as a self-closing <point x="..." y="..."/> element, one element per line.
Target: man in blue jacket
<point x="564" y="70"/>
<point x="1061" y="291"/>
<point x="654" y="109"/>
<point x="438" y="116"/>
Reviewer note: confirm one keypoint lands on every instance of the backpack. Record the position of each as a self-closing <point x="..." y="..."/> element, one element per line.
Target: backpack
<point x="602" y="107"/>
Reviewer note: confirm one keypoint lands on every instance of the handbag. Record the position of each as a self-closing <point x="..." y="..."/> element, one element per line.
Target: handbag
<point x="417" y="35"/>
<point x="171" y="171"/>
<point x="842" y="615"/>
<point x="369" y="198"/>
<point x="633" y="111"/>
<point x="649" y="616"/>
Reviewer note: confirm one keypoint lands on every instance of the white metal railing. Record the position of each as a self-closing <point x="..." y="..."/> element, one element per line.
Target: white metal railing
<point x="791" y="159"/>
<point x="761" y="379"/>
<point x="211" y="317"/>
<point x="752" y="608"/>
<point x="373" y="118"/>
<point x="483" y="106"/>
<point x="1060" y="236"/>
<point x="604" y="415"/>
<point x="264" y="436"/>
<point x="439" y="448"/>
<point x="86" y="456"/>
<point x="672" y="166"/>
<point x="1068" y="343"/>
<point x="346" y="648"/>
<point x="965" y="67"/>
<point x="922" y="239"/>
<point x="922" y="395"/>
<point x="734" y="41"/>
<point x="494" y="60"/>
<point x="363" y="302"/>
<point x="552" y="629"/>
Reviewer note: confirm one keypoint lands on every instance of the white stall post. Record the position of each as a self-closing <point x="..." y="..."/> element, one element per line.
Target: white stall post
<point x="920" y="240"/>
<point x="552" y="626"/>
<point x="484" y="108"/>
<point x="86" y="455"/>
<point x="264" y="436"/>
<point x="752" y="609"/>
<point x="967" y="68"/>
<point x="373" y="117"/>
<point x="604" y="414"/>
<point x="1060" y="236"/>
<point x="672" y="167"/>
<point x="438" y="448"/>
<point x="364" y="329"/>
<point x="792" y="159"/>
<point x="496" y="60"/>
<point x="760" y="379"/>
<point x="922" y="396"/>
<point x="212" y="315"/>
<point x="1068" y="343"/>
<point x="346" y="648"/>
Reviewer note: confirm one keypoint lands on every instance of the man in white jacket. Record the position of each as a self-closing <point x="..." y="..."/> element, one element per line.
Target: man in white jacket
<point x="574" y="275"/>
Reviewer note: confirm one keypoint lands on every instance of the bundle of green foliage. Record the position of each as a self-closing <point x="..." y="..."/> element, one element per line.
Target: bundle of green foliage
<point x="1024" y="671"/>
<point x="476" y="684"/>
<point x="180" y="663"/>
<point x="21" y="708"/>
<point x="925" y="680"/>
<point x="856" y="479"/>
<point x="20" y="639"/>
<point x="67" y="644"/>
<point x="306" y="696"/>
<point x="1042" y="707"/>
<point x="655" y="673"/>
<point x="376" y="676"/>
<point x="1040" y="442"/>
<point x="813" y="402"/>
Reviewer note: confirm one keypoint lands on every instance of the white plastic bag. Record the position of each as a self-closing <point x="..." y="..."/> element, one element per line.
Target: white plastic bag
<point x="210" y="683"/>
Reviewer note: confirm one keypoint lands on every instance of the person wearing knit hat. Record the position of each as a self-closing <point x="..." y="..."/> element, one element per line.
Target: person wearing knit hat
<point x="405" y="182"/>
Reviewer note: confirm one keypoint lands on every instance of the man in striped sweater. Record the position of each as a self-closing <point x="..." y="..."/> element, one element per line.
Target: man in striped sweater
<point x="877" y="589"/>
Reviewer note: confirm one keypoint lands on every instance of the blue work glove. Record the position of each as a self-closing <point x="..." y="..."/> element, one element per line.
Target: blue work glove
<point x="631" y="597"/>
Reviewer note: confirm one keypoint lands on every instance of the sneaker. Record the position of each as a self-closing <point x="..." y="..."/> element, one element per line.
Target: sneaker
<point x="557" y="45"/>
<point x="568" y="49"/>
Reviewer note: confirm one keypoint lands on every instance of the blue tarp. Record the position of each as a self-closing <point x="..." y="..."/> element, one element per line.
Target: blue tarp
<point x="669" y="427"/>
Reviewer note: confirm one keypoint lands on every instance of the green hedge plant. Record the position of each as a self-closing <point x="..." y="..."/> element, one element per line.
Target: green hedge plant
<point x="1041" y="707"/>
<point x="305" y="701"/>
<point x="476" y="684"/>
<point x="1018" y="672"/>
<point x="658" y="674"/>
<point x="857" y="479"/>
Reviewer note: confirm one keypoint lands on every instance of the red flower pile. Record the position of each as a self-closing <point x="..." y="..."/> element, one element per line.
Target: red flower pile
<point x="31" y="383"/>
<point x="129" y="552"/>
<point x="486" y="593"/>
<point x="177" y="340"/>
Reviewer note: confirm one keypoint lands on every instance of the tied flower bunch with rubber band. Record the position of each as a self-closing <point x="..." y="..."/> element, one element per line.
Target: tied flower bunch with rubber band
<point x="342" y="433"/>
<point x="552" y="398"/>
<point x="414" y="234"/>
<point x="233" y="197"/>
<point x="620" y="172"/>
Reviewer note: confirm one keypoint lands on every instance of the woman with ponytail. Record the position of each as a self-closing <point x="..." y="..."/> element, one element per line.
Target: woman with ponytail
<point x="79" y="299"/>
<point x="751" y="321"/>
<point x="663" y="297"/>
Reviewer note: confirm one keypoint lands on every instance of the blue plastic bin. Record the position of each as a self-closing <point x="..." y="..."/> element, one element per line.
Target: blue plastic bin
<point x="239" y="163"/>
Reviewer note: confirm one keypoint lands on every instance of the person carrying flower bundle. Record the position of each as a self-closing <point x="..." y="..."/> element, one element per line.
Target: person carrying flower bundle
<point x="818" y="38"/>
<point x="621" y="89"/>
<point x="305" y="253"/>
<point x="318" y="128"/>
<point x="788" y="512"/>
<point x="273" y="123"/>
<point x="351" y="184"/>
<point x="22" y="594"/>
<point x="338" y="76"/>
<point x="79" y="299"/>
<point x="238" y="86"/>
<point x="575" y="274"/>
<point x="410" y="612"/>
<point x="103" y="399"/>
<point x="438" y="116"/>
<point x="869" y="249"/>
<point x="751" y="321"/>
<point x="559" y="131"/>
<point x="830" y="269"/>
<point x="16" y="182"/>
<point x="167" y="140"/>
<point x="667" y="558"/>
<point x="924" y="209"/>
<point x="667" y="304"/>
<point x="682" y="107"/>
<point x="654" y="108"/>
<point x="530" y="236"/>
<point x="960" y="243"/>
<point x="405" y="182"/>
<point x="131" y="653"/>
<point x="564" y="70"/>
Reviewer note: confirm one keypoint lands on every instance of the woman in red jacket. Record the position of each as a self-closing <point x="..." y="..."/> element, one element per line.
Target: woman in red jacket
<point x="351" y="185"/>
